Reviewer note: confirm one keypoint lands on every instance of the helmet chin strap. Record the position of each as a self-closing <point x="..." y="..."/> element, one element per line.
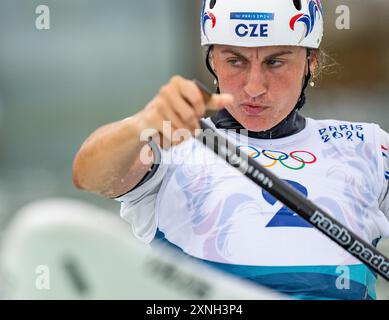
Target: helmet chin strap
<point x="208" y="63"/>
<point x="302" y="100"/>
<point x="292" y="124"/>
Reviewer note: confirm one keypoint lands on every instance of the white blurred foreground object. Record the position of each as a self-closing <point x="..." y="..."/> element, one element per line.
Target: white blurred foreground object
<point x="382" y="284"/>
<point x="64" y="249"/>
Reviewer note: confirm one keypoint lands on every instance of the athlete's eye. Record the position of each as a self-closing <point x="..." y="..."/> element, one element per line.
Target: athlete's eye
<point x="274" y="63"/>
<point x="235" y="62"/>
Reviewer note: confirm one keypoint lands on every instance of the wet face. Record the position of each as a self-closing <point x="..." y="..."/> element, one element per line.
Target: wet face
<point x="266" y="82"/>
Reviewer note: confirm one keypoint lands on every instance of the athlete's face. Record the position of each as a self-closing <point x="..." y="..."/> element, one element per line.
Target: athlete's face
<point x="266" y="82"/>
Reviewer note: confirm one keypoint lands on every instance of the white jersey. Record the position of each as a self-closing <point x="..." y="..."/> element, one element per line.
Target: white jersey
<point x="201" y="205"/>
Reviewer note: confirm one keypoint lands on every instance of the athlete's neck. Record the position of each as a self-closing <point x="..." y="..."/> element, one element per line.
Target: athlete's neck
<point x="291" y="125"/>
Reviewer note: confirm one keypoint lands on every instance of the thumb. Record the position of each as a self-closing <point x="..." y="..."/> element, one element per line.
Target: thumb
<point x="219" y="101"/>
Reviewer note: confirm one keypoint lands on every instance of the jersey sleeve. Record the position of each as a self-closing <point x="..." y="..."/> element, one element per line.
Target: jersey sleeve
<point x="384" y="199"/>
<point x="138" y="205"/>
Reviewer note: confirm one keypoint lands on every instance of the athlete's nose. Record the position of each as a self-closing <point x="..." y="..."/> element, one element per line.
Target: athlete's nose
<point x="256" y="84"/>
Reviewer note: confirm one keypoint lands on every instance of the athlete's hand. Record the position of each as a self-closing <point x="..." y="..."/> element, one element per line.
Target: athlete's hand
<point x="181" y="105"/>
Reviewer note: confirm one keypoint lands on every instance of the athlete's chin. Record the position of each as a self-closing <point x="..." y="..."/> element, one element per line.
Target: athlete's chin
<point x="255" y="123"/>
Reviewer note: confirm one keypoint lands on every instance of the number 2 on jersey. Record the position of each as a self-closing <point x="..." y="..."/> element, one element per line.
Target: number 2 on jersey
<point x="286" y="217"/>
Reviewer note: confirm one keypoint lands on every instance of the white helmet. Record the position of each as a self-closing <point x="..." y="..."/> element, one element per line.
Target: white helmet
<point x="259" y="23"/>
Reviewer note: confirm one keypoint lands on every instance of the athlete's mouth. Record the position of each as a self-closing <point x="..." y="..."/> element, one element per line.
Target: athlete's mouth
<point x="253" y="109"/>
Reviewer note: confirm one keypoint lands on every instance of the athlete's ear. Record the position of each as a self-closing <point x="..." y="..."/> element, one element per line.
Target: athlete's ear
<point x="212" y="60"/>
<point x="313" y="61"/>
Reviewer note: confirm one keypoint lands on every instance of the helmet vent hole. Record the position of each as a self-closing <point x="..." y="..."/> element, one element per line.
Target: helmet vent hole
<point x="212" y="4"/>
<point x="297" y="4"/>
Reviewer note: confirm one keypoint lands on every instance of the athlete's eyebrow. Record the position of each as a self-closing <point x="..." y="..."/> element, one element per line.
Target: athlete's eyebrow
<point x="278" y="54"/>
<point x="235" y="53"/>
<point x="270" y="57"/>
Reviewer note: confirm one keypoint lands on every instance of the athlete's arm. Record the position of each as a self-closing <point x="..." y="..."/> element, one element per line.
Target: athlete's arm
<point x="109" y="162"/>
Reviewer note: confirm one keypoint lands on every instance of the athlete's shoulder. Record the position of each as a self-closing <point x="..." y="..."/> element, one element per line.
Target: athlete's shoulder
<point x="384" y="136"/>
<point x="384" y="141"/>
<point x="332" y="130"/>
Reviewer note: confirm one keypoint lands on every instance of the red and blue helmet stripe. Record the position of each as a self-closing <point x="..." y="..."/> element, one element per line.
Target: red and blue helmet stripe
<point x="309" y="20"/>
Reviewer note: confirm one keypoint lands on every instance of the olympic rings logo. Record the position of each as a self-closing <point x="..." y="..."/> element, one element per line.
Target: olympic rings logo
<point x="295" y="160"/>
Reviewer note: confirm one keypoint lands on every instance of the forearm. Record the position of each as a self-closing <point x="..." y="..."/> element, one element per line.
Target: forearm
<point x="108" y="162"/>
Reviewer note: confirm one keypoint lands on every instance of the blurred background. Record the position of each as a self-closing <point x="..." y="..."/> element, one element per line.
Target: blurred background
<point x="102" y="61"/>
